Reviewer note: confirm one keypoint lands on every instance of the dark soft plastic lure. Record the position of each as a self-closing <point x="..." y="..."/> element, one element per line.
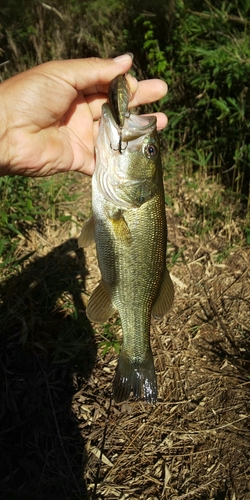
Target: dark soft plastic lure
<point x="119" y="95"/>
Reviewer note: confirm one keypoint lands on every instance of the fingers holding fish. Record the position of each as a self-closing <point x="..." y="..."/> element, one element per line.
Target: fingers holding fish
<point x="92" y="74"/>
<point x="148" y="91"/>
<point x="161" y="120"/>
<point x="143" y="92"/>
<point x="105" y="76"/>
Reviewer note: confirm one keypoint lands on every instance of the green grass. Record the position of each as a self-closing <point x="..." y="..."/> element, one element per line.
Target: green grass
<point x="109" y="335"/>
<point x="31" y="203"/>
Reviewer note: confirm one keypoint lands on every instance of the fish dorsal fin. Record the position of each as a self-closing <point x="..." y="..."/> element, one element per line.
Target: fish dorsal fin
<point x="100" y="307"/>
<point x="164" y="298"/>
<point x="87" y="236"/>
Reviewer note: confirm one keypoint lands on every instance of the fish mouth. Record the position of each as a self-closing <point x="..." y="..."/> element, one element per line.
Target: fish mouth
<point x="134" y="126"/>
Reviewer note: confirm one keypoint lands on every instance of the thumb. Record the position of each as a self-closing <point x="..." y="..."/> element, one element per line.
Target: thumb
<point x="89" y="72"/>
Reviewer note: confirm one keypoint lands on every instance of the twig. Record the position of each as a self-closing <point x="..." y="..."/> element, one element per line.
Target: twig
<point x="4" y="63"/>
<point x="49" y="7"/>
<point x="196" y="490"/>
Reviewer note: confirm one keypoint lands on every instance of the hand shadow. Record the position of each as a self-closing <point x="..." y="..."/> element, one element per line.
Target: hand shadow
<point x="47" y="349"/>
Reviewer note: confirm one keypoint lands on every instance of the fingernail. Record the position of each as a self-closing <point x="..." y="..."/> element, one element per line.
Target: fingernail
<point x="131" y="55"/>
<point x="124" y="57"/>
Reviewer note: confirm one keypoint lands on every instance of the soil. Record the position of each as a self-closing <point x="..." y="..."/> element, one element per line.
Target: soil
<point x="62" y="436"/>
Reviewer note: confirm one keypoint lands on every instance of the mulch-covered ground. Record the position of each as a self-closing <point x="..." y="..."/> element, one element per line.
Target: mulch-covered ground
<point x="61" y="435"/>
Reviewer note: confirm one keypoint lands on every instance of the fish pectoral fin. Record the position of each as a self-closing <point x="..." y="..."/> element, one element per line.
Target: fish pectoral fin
<point x="87" y="236"/>
<point x="100" y="307"/>
<point x="136" y="376"/>
<point x="121" y="229"/>
<point x="164" y="298"/>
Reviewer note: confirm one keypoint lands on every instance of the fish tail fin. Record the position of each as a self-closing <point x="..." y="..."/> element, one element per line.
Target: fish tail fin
<point x="135" y="376"/>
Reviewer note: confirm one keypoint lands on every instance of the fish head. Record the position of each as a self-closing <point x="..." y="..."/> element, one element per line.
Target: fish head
<point x="128" y="163"/>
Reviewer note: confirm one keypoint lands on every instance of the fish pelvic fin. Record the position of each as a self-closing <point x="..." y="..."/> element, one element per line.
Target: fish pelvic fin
<point x="135" y="376"/>
<point x="164" y="298"/>
<point x="100" y="307"/>
<point x="87" y="236"/>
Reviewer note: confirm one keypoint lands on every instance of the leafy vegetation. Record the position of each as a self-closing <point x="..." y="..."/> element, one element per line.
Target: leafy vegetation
<point x="110" y="340"/>
<point x="209" y="72"/>
<point x="28" y="203"/>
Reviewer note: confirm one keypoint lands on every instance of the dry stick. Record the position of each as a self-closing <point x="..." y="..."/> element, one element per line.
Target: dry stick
<point x="99" y="463"/>
<point x="57" y="427"/>
<point x="4" y="63"/>
<point x="53" y="9"/>
<point x="196" y="490"/>
<point x="217" y="314"/>
<point x="129" y="446"/>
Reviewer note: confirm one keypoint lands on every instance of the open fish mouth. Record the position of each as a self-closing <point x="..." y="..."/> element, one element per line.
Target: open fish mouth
<point x="134" y="127"/>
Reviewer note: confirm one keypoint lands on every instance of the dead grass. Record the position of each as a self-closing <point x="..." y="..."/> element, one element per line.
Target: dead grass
<point x="61" y="434"/>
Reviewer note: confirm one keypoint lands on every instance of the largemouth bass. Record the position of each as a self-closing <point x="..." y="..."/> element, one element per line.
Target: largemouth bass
<point x="130" y="231"/>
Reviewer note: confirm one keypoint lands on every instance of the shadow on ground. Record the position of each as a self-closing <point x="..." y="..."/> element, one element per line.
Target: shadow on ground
<point x="47" y="350"/>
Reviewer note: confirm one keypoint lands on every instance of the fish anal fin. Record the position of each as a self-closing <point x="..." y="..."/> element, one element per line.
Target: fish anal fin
<point x="87" y="236"/>
<point x="164" y="298"/>
<point x="100" y="307"/>
<point x="136" y="376"/>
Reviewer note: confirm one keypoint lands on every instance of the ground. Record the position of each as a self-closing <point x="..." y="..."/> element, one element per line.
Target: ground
<point x="62" y="436"/>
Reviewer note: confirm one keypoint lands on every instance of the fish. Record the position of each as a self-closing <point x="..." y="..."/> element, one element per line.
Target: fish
<point x="129" y="228"/>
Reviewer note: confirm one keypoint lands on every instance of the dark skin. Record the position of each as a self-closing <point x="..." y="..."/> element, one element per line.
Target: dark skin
<point x="49" y="115"/>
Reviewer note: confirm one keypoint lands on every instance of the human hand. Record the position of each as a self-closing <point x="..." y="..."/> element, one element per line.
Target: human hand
<point x="49" y="114"/>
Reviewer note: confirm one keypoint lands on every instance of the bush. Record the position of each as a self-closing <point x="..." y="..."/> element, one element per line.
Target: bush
<point x="207" y="67"/>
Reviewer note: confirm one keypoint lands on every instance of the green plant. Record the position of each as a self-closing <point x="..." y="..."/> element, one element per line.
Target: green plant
<point x="208" y="77"/>
<point x="16" y="213"/>
<point x="202" y="50"/>
<point x="110" y="339"/>
<point x="35" y="203"/>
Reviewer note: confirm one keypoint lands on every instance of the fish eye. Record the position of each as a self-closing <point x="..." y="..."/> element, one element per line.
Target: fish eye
<point x="150" y="150"/>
